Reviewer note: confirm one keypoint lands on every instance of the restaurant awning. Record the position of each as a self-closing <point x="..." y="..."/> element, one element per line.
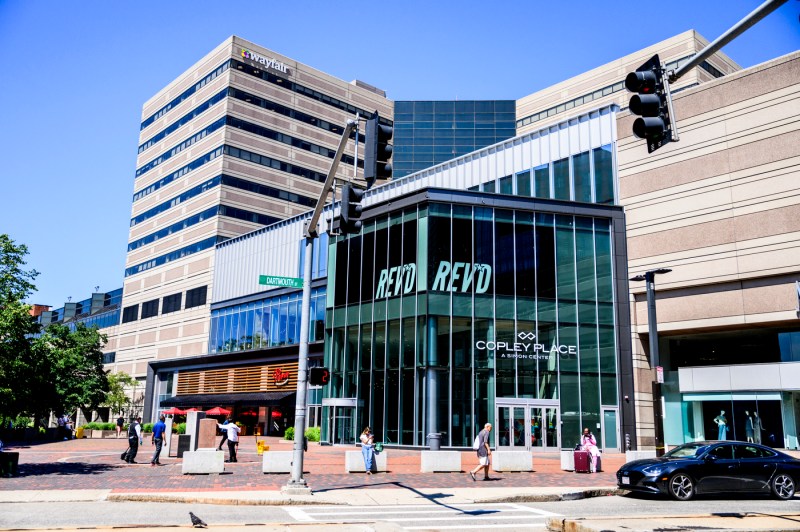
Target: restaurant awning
<point x="228" y="399"/>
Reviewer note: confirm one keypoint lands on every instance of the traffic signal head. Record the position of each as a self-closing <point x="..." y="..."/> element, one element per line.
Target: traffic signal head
<point x="318" y="376"/>
<point x="377" y="151"/>
<point x="649" y="82"/>
<point x="350" y="209"/>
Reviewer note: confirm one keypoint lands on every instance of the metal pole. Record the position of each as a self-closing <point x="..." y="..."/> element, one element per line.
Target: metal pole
<point x="655" y="360"/>
<point x="746" y="23"/>
<point x="297" y="482"/>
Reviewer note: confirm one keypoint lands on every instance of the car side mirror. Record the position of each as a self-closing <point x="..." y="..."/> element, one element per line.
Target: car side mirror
<point x="709" y="458"/>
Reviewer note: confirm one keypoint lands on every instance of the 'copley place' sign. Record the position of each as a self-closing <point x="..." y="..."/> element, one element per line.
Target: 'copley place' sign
<point x="455" y="277"/>
<point x="527" y="350"/>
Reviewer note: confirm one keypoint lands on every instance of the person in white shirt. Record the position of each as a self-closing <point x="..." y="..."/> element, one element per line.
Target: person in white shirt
<point x="233" y="438"/>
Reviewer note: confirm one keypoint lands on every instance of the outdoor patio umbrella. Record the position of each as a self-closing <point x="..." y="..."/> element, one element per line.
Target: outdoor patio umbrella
<point x="174" y="411"/>
<point x="218" y="411"/>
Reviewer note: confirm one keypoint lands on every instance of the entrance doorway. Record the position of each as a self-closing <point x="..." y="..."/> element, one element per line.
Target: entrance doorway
<point x="528" y="425"/>
<point x="341" y="418"/>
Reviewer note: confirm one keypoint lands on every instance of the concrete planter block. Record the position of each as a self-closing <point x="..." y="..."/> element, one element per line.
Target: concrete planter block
<point x="440" y="462"/>
<point x="630" y="456"/>
<point x="354" y="462"/>
<point x="511" y="461"/>
<point x="97" y="434"/>
<point x="277" y="462"/>
<point x="567" y="460"/>
<point x="203" y="462"/>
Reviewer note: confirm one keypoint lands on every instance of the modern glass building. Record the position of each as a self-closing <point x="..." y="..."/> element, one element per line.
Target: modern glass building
<point x="431" y="132"/>
<point x="453" y="308"/>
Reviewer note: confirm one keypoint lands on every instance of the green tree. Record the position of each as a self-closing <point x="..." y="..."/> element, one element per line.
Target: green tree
<point x="117" y="397"/>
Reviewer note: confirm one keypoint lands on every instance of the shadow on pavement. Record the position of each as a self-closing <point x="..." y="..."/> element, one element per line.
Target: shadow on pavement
<point x="64" y="468"/>
<point x="432" y="497"/>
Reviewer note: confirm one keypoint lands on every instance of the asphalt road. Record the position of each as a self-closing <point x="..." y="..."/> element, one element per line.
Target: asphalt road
<point x="430" y="516"/>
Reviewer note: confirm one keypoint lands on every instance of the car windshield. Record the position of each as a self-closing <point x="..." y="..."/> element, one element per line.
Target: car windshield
<point x="687" y="450"/>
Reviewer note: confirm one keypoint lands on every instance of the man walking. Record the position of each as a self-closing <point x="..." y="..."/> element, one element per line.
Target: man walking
<point x="158" y="439"/>
<point x="224" y="432"/>
<point x="134" y="440"/>
<point x="484" y="452"/>
<point x="232" y="431"/>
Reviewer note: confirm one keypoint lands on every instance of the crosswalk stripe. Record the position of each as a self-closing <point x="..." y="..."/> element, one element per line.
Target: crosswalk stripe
<point x="493" y="525"/>
<point x="452" y="518"/>
<point x="385" y="511"/>
<point x="298" y="514"/>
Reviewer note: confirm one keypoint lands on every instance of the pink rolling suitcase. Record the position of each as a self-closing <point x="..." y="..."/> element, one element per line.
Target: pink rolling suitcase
<point x="581" y="461"/>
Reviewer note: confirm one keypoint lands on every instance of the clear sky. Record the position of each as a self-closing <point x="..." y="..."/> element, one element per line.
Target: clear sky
<point x="74" y="76"/>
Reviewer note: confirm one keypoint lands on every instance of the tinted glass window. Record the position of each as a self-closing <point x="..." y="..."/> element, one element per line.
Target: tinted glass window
<point x="722" y="452"/>
<point x="150" y="309"/>
<point x="744" y="452"/>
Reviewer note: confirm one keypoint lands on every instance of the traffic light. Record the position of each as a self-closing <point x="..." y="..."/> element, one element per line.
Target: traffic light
<point x="318" y="376"/>
<point x="377" y="151"/>
<point x="350" y="209"/>
<point x="651" y="103"/>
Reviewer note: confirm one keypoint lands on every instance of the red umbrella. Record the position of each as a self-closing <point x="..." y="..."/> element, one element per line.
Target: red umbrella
<point x="193" y="409"/>
<point x="218" y="411"/>
<point x="174" y="411"/>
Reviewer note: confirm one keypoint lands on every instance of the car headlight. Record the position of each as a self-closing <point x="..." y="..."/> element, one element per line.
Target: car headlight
<point x="653" y="471"/>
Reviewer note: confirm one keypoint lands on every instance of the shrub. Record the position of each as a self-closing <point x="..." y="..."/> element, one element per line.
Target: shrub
<point x="181" y="428"/>
<point x="289" y="434"/>
<point x="109" y="426"/>
<point x="94" y="426"/>
<point x="312" y="433"/>
<point x="147" y="427"/>
<point x="23" y="422"/>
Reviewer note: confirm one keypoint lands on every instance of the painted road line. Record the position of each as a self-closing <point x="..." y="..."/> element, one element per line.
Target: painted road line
<point x="297" y="514"/>
<point x="493" y="525"/>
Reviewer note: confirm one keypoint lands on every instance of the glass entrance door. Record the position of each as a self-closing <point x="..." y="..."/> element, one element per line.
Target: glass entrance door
<point x="527" y="426"/>
<point x="610" y="430"/>
<point x="342" y="425"/>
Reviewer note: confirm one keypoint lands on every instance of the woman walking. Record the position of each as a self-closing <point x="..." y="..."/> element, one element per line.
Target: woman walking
<point x="368" y="449"/>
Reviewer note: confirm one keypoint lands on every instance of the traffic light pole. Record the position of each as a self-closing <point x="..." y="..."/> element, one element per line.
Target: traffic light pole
<point x="746" y="23"/>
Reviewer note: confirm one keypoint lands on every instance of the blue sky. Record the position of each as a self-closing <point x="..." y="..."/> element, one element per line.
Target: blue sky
<point x="75" y="76"/>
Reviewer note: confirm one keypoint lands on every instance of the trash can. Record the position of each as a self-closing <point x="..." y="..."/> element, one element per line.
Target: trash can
<point x="79" y="433"/>
<point x="434" y="441"/>
<point x="261" y="446"/>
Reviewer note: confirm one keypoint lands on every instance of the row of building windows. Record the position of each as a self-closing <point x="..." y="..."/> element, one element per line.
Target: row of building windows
<point x="605" y="91"/>
<point x="196" y="297"/>
<point x="270" y="322"/>
<point x="175" y="255"/>
<point x="186" y="94"/>
<point x="82" y="311"/>
<point x="587" y="177"/>
<point x="230" y="181"/>
<point x="177" y="174"/>
<point x="301" y="89"/>
<point x="200" y="135"/>
<point x="174" y="228"/>
<point x="185" y="119"/>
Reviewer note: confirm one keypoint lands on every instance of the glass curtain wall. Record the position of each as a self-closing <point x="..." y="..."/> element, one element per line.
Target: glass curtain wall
<point x="443" y="309"/>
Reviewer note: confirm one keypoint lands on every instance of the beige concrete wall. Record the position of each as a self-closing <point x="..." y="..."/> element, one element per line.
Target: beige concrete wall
<point x="721" y="208"/>
<point x="674" y="48"/>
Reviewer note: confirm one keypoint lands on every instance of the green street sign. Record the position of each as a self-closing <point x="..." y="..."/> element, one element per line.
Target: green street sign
<point x="275" y="280"/>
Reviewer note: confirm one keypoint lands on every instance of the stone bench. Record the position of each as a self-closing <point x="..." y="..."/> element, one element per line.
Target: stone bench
<point x="354" y="462"/>
<point x="277" y="462"/>
<point x="567" y="460"/>
<point x="512" y="461"/>
<point x="203" y="462"/>
<point x="440" y="462"/>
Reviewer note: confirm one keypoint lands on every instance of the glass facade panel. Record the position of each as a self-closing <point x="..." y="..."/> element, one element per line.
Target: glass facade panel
<point x="511" y="304"/>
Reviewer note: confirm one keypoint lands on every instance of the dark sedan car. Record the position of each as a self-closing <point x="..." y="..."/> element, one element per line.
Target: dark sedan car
<point x="712" y="467"/>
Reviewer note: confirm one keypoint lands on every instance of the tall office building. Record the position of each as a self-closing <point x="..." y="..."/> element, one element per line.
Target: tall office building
<point x="242" y="139"/>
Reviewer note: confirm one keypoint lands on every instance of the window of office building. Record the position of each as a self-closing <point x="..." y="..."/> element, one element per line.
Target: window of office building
<point x="171" y="303"/>
<point x="150" y="309"/>
<point x="196" y="297"/>
<point x="130" y="313"/>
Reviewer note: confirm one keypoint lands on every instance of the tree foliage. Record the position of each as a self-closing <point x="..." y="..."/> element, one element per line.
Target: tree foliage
<point x="57" y="369"/>
<point x="117" y="397"/>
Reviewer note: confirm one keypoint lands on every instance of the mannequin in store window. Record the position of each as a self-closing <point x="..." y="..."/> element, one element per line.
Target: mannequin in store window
<point x="757" y="427"/>
<point x="722" y="425"/>
<point x="748" y="426"/>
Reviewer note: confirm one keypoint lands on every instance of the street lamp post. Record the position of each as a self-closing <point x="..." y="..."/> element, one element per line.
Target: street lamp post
<point x="655" y="359"/>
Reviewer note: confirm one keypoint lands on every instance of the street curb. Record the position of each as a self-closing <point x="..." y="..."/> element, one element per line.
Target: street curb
<point x="221" y="501"/>
<point x="590" y="524"/>
<point x="555" y="497"/>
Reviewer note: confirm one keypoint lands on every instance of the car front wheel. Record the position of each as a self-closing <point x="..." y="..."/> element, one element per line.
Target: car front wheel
<point x="681" y="487"/>
<point x="783" y="486"/>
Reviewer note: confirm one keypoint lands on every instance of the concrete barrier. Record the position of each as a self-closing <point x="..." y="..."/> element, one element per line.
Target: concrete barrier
<point x="510" y="461"/>
<point x="277" y="462"/>
<point x="354" y="462"/>
<point x="203" y="462"/>
<point x="440" y="462"/>
<point x="630" y="456"/>
<point x="567" y="460"/>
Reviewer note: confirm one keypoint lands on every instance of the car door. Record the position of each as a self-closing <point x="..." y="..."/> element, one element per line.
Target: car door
<point x="719" y="471"/>
<point x="756" y="466"/>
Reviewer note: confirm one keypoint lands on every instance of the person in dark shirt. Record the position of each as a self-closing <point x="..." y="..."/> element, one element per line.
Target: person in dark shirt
<point x="484" y="452"/>
<point x="158" y="439"/>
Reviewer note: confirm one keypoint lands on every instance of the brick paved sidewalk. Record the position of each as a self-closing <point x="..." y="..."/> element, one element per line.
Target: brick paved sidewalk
<point x="95" y="464"/>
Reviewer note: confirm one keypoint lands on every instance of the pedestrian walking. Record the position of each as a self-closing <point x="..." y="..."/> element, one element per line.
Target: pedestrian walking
<point x="481" y="445"/>
<point x="368" y="449"/>
<point x="233" y="438"/>
<point x="224" y="432"/>
<point x="134" y="440"/>
<point x="158" y="439"/>
<point x="61" y="427"/>
<point x="120" y="425"/>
